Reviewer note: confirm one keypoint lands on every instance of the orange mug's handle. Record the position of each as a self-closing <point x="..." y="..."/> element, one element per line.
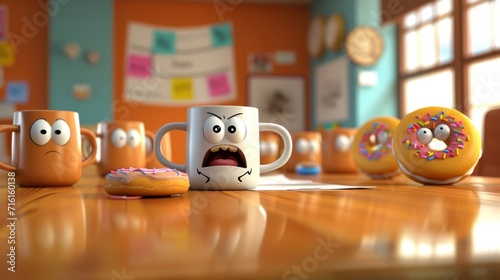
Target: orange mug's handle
<point x="8" y="128"/>
<point x="93" y="142"/>
<point x="151" y="155"/>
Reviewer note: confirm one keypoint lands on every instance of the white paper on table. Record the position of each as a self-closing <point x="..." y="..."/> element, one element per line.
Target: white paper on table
<point x="283" y="183"/>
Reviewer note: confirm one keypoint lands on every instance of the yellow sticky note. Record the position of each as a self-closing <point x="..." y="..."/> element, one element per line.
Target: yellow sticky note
<point x="6" y="54"/>
<point x="182" y="89"/>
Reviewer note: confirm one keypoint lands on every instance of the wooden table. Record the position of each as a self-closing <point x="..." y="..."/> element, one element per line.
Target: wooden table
<point x="398" y="230"/>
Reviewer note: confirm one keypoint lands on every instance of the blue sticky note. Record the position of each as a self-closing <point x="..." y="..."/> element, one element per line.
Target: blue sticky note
<point x="17" y="92"/>
<point x="221" y="35"/>
<point x="164" y="42"/>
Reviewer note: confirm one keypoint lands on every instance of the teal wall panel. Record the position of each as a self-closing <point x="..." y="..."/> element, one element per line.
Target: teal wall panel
<point x="90" y="24"/>
<point x="365" y="102"/>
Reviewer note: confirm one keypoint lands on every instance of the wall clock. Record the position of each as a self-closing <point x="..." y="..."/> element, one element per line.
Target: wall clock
<point x="315" y="36"/>
<point x="364" y="45"/>
<point x="334" y="32"/>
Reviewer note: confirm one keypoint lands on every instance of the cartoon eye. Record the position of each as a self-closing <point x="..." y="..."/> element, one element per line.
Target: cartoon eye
<point x="382" y="137"/>
<point x="442" y="132"/>
<point x="342" y="143"/>
<point x="268" y="148"/>
<point x="40" y="132"/>
<point x="313" y="146"/>
<point x="236" y="130"/>
<point x="265" y="148"/>
<point x="61" y="132"/>
<point x="302" y="146"/>
<point x="424" y="135"/>
<point x="133" y="138"/>
<point x="273" y="148"/>
<point x="119" y="138"/>
<point x="213" y="130"/>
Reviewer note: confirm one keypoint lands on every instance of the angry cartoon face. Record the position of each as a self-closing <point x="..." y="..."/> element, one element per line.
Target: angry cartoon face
<point x="228" y="149"/>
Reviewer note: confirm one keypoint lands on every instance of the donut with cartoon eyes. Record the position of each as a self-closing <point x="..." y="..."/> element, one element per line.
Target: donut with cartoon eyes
<point x="436" y="145"/>
<point x="372" y="148"/>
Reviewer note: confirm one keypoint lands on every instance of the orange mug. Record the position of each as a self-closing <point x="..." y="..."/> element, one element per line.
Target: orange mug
<point x="306" y="154"/>
<point x="46" y="148"/>
<point x="337" y="155"/>
<point x="122" y="144"/>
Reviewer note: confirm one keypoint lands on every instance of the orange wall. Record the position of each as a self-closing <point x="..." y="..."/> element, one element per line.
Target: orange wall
<point x="31" y="41"/>
<point x="31" y="58"/>
<point x="256" y="28"/>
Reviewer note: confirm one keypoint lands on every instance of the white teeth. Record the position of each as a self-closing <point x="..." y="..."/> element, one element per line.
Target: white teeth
<point x="224" y="148"/>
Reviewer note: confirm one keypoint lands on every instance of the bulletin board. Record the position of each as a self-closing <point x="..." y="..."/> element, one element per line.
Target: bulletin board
<point x="179" y="66"/>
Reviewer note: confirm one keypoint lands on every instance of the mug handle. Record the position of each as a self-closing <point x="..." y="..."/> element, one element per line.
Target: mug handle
<point x="8" y="128"/>
<point x="92" y="139"/>
<point x="151" y="137"/>
<point x="159" y="135"/>
<point x="287" y="149"/>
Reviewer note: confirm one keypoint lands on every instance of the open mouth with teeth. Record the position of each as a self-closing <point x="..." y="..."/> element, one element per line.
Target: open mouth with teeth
<point x="224" y="155"/>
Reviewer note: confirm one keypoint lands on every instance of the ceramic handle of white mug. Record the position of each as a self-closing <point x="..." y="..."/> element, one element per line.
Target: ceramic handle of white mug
<point x="157" y="143"/>
<point x="287" y="148"/>
<point x="8" y="128"/>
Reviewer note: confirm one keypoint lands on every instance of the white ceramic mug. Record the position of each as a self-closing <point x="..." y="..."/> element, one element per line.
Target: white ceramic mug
<point x="223" y="149"/>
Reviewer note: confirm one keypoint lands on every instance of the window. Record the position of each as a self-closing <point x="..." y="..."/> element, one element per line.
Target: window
<point x="450" y="56"/>
<point x="428" y="36"/>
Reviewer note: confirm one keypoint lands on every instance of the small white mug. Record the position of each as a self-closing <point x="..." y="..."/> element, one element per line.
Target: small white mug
<point x="223" y="148"/>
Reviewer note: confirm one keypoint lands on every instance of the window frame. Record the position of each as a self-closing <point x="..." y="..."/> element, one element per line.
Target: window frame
<point x="462" y="57"/>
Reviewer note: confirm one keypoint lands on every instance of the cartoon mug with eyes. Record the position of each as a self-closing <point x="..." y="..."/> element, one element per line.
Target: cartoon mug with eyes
<point x="336" y="151"/>
<point x="122" y="144"/>
<point x="222" y="147"/>
<point x="269" y="147"/>
<point x="306" y="155"/>
<point x="46" y="148"/>
<point x="437" y="145"/>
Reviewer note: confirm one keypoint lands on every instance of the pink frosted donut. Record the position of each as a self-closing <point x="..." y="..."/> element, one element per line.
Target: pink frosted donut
<point x="146" y="182"/>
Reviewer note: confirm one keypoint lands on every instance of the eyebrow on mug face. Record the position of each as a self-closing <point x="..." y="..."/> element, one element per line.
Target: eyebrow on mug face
<point x="223" y="116"/>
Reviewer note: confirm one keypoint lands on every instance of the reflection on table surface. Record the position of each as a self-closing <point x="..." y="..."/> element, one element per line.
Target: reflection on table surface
<point x="398" y="230"/>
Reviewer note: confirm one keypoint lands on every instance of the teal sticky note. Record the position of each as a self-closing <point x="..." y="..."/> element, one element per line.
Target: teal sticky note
<point x="221" y="35"/>
<point x="17" y="92"/>
<point x="164" y="42"/>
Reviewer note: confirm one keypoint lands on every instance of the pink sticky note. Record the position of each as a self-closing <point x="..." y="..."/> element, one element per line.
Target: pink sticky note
<point x="139" y="66"/>
<point x="218" y="84"/>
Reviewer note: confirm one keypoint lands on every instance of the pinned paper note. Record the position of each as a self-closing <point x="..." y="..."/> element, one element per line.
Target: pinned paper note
<point x="218" y="84"/>
<point x="139" y="66"/>
<point x="170" y="66"/>
<point x="6" y="54"/>
<point x="182" y="89"/>
<point x="6" y="111"/>
<point x="17" y="92"/>
<point x="164" y="42"/>
<point x="221" y="35"/>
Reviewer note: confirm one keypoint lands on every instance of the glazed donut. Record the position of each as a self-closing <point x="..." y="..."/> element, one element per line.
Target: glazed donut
<point x="146" y="182"/>
<point x="372" y="148"/>
<point x="436" y="145"/>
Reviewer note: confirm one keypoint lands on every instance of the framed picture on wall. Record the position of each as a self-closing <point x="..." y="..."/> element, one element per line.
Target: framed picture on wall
<point x="280" y="99"/>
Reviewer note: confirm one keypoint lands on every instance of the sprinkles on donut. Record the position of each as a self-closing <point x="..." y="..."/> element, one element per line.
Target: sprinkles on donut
<point x="436" y="145"/>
